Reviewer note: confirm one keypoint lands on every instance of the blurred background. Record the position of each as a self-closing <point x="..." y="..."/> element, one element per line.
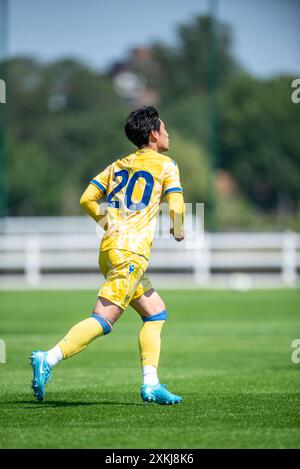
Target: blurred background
<point x="220" y="73"/>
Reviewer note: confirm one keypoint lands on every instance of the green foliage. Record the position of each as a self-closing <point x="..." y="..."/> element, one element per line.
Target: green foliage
<point x="202" y="51"/>
<point x="259" y="133"/>
<point x="189" y="116"/>
<point x="195" y="177"/>
<point x="33" y="180"/>
<point x="66" y="125"/>
<point x="249" y="127"/>
<point x="73" y="130"/>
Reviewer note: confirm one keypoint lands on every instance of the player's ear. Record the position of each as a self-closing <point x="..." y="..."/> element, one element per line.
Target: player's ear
<point x="153" y="136"/>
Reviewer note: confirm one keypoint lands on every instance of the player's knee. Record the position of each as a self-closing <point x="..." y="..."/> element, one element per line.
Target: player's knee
<point x="162" y="316"/>
<point x="106" y="325"/>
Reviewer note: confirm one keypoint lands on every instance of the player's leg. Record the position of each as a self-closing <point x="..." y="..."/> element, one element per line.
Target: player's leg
<point x="77" y="339"/>
<point x="152" y="310"/>
<point x="149" y="305"/>
<point x="105" y="314"/>
<point x="106" y="311"/>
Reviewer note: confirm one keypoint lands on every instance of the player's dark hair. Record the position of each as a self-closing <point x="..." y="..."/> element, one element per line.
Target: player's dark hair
<point x="139" y="124"/>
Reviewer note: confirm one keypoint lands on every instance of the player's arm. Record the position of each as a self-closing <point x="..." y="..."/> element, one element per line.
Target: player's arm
<point x="89" y="202"/>
<point x="176" y="207"/>
<point x="91" y="196"/>
<point x="174" y="196"/>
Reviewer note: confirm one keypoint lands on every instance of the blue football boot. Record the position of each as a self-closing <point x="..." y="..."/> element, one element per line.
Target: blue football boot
<point x="159" y="394"/>
<point x="41" y="373"/>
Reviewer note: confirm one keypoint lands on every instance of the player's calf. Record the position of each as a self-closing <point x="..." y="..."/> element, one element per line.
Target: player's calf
<point x="77" y="339"/>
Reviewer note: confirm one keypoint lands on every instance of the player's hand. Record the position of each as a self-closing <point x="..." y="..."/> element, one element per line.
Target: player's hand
<point x="103" y="222"/>
<point x="179" y="237"/>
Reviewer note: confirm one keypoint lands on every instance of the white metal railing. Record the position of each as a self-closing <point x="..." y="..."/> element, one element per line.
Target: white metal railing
<point x="33" y="246"/>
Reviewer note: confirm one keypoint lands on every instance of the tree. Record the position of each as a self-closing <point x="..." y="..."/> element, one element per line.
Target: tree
<point x="259" y="133"/>
<point x="65" y="126"/>
<point x="190" y="66"/>
<point x="194" y="170"/>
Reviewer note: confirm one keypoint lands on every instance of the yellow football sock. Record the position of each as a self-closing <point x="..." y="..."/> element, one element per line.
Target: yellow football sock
<point x="80" y="336"/>
<point x="149" y="342"/>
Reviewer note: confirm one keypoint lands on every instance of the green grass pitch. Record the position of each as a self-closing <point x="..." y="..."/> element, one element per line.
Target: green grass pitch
<point x="227" y="353"/>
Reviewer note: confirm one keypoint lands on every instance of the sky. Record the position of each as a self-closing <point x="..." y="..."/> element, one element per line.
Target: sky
<point x="266" y="33"/>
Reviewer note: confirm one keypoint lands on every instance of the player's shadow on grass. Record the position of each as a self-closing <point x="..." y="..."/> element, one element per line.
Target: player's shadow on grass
<point x="84" y="403"/>
<point x="34" y="404"/>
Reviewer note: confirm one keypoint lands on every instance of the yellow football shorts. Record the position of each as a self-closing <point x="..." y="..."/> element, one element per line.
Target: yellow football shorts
<point x="125" y="277"/>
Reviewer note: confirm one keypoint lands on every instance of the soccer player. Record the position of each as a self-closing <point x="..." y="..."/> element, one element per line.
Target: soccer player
<point x="135" y="186"/>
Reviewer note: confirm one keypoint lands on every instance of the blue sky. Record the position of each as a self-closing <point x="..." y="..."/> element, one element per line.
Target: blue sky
<point x="266" y="33"/>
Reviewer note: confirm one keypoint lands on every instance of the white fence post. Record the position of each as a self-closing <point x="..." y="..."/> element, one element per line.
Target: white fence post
<point x="32" y="261"/>
<point x="289" y="259"/>
<point x="202" y="272"/>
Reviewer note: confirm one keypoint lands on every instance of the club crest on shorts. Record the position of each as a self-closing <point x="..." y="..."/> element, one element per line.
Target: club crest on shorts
<point x="131" y="268"/>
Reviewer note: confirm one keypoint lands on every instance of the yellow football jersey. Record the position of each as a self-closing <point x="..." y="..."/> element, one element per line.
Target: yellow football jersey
<point x="135" y="186"/>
